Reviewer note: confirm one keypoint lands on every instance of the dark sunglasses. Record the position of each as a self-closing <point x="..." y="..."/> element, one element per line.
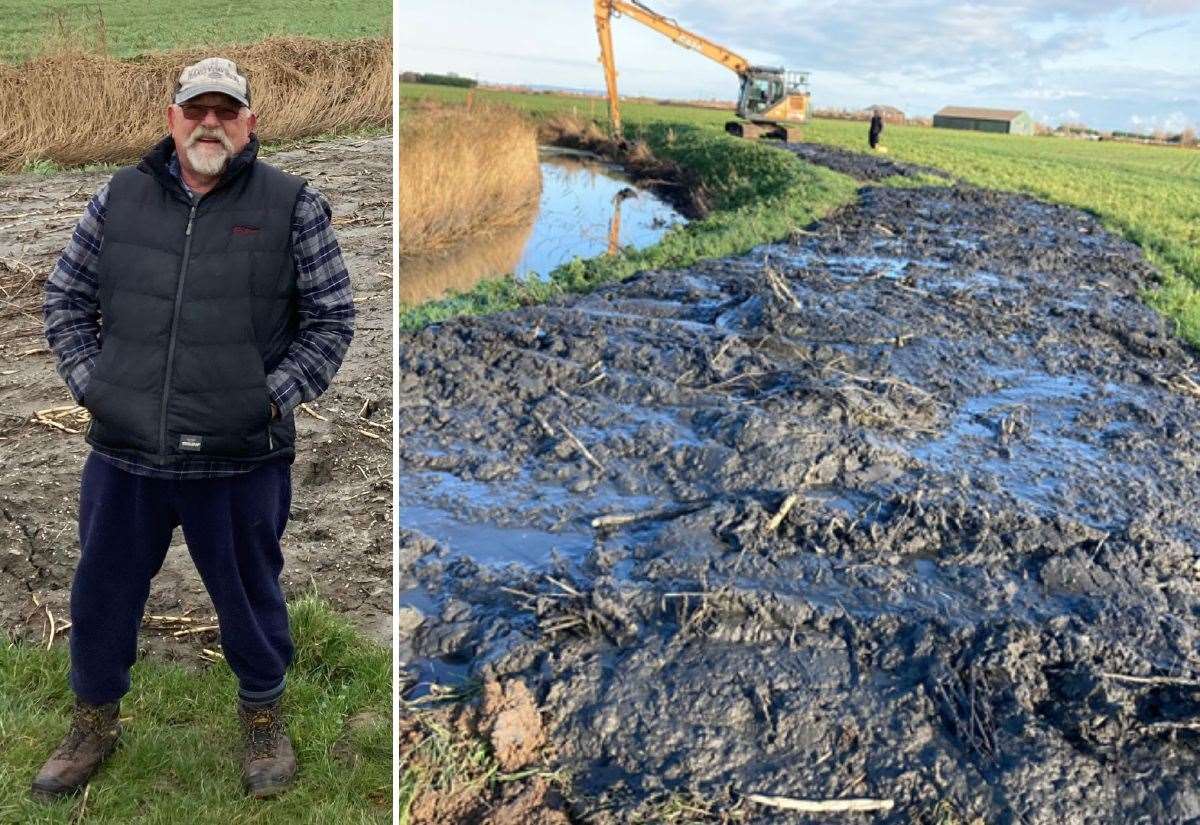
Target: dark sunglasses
<point x="193" y="111"/>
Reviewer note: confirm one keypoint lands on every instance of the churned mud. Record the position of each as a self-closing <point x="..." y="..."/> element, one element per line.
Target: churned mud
<point x="865" y="167"/>
<point x="339" y="539"/>
<point x="904" y="510"/>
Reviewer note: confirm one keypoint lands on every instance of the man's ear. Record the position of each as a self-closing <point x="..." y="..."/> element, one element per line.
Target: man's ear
<point x="171" y="115"/>
<point x="252" y="121"/>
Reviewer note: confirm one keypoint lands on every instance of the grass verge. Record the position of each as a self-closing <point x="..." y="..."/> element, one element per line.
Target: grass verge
<point x="755" y="194"/>
<point x="181" y="750"/>
<point x="301" y="88"/>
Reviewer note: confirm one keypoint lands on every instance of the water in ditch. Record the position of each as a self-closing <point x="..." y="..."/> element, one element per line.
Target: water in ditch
<point x="588" y="207"/>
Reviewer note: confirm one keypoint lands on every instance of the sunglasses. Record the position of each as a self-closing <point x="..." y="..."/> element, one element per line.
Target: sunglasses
<point x="193" y="111"/>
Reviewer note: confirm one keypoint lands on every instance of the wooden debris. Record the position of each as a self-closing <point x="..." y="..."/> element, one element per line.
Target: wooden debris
<point x="607" y="522"/>
<point x="543" y="423"/>
<point x="584" y="451"/>
<point x="822" y="806"/>
<point x="188" y="631"/>
<point x="780" y="288"/>
<point x="564" y="587"/>
<point x="1153" y="680"/>
<point x="784" y="509"/>
<point x="59" y="418"/>
<point x="313" y="412"/>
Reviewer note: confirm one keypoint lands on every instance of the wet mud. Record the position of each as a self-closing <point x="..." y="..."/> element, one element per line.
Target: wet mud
<point x="905" y="509"/>
<point x="860" y="166"/>
<point x="338" y="541"/>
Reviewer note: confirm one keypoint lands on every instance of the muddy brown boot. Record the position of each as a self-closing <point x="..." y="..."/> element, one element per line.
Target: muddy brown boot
<point x="93" y="736"/>
<point x="269" y="764"/>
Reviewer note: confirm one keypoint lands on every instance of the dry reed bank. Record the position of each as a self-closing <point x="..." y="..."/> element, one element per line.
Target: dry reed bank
<point x="74" y="108"/>
<point x="464" y="172"/>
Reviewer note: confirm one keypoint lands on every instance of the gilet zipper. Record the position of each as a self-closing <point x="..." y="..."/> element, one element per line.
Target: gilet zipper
<point x="183" y="268"/>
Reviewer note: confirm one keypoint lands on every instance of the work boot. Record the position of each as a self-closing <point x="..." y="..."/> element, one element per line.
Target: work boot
<point x="94" y="732"/>
<point x="269" y="764"/>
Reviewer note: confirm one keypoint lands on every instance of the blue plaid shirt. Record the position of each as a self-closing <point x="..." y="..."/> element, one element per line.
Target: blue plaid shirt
<point x="325" y="306"/>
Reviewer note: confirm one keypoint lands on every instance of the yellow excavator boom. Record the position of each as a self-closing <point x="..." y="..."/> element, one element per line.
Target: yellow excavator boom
<point x="605" y="9"/>
<point x="768" y="96"/>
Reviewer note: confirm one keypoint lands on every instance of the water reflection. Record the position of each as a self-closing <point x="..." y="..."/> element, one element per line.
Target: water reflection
<point x="461" y="267"/>
<point x="587" y="208"/>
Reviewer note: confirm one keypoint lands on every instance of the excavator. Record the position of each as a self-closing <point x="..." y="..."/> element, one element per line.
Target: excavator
<point x="772" y="102"/>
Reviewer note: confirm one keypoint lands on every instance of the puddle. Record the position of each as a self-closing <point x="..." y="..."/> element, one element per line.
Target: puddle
<point x="1026" y="435"/>
<point x="588" y="207"/>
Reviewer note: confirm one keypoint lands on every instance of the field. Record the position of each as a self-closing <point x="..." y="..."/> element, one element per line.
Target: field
<point x="125" y="28"/>
<point x="869" y="484"/>
<point x="1150" y="195"/>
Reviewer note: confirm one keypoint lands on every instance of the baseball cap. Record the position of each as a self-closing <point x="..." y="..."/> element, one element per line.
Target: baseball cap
<point x="212" y="74"/>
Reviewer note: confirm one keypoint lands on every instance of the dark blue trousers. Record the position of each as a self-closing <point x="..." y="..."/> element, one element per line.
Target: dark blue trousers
<point x="232" y="527"/>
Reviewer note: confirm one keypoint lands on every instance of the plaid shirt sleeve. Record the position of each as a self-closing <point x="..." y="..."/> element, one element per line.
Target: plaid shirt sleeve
<point x="71" y="310"/>
<point x="325" y="306"/>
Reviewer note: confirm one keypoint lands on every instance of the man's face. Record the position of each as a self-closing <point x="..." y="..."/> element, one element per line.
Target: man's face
<point x="208" y="130"/>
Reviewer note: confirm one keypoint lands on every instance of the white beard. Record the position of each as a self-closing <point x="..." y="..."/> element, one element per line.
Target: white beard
<point x="204" y="158"/>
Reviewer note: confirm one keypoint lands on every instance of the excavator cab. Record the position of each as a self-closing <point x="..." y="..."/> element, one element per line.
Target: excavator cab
<point x="774" y="101"/>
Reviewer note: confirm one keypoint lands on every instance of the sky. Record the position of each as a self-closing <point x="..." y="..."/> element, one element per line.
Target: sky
<point x="1109" y="64"/>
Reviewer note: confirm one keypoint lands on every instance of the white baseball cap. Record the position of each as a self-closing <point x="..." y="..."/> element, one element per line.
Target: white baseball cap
<point x="213" y="74"/>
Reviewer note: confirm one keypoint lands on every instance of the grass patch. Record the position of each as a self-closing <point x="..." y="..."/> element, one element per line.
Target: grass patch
<point x="124" y="28"/>
<point x="181" y="750"/>
<point x="755" y="193"/>
<point x="301" y="88"/>
<point x="1148" y="194"/>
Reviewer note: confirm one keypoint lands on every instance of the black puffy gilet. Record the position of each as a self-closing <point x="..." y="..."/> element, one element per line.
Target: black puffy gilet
<point x="197" y="306"/>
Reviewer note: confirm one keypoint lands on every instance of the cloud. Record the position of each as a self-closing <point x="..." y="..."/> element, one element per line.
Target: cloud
<point x="1159" y="30"/>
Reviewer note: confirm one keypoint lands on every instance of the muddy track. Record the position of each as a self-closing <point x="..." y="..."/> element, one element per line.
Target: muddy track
<point x="859" y="165"/>
<point x="907" y="509"/>
<point x="339" y="537"/>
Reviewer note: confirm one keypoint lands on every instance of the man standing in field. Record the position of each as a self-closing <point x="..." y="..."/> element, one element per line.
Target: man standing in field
<point x="202" y="297"/>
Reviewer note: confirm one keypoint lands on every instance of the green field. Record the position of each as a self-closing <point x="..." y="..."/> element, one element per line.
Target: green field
<point x="1149" y="194"/>
<point x="180" y="754"/>
<point x="130" y="27"/>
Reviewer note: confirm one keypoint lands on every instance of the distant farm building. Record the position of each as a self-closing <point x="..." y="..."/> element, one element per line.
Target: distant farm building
<point x="1005" y="121"/>
<point x="890" y="114"/>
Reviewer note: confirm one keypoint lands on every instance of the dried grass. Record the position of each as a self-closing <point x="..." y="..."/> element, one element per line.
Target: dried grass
<point x="463" y="172"/>
<point x="72" y="107"/>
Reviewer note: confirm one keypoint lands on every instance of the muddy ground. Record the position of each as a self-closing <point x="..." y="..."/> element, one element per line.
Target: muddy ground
<point x="339" y="537"/>
<point x="904" y="510"/>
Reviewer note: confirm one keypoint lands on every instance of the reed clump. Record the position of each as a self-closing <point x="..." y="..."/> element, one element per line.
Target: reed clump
<point x="73" y="107"/>
<point x="464" y="171"/>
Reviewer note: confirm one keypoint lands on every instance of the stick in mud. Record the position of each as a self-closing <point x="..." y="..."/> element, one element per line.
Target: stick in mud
<point x="822" y="806"/>
<point x="784" y="509"/>
<point x="591" y="459"/>
<point x="1152" y="680"/>
<point x="610" y="521"/>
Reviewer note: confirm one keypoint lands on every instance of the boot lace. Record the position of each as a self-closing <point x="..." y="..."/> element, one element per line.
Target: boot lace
<point x="86" y="723"/>
<point x="262" y="730"/>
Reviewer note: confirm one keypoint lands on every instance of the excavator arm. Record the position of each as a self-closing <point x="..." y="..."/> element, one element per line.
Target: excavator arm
<point x="664" y="25"/>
